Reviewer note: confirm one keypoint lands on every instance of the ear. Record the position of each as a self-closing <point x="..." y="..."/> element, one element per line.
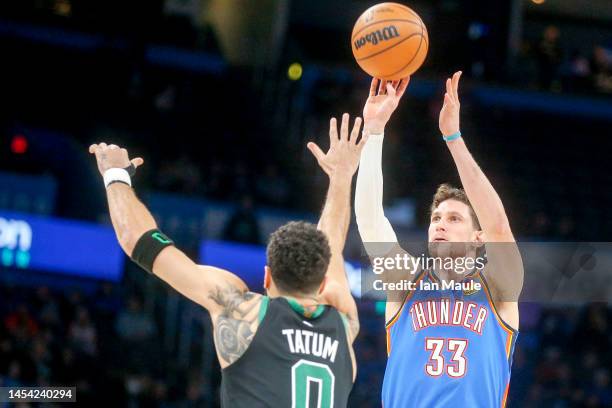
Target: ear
<point x="267" y="277"/>
<point x="478" y="238"/>
<point x="322" y="286"/>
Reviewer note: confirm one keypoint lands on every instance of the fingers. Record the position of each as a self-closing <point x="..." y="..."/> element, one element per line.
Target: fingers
<point x="373" y="86"/>
<point x="382" y="87"/>
<point x="94" y="148"/>
<point x="455" y="82"/>
<point x="344" y="133"/>
<point x="316" y="151"/>
<point x="401" y="88"/>
<point x="333" y="132"/>
<point x="452" y="86"/>
<point x="138" y="161"/>
<point x="355" y="131"/>
<point x="390" y="89"/>
<point x="364" y="139"/>
<point x="448" y="100"/>
<point x="101" y="147"/>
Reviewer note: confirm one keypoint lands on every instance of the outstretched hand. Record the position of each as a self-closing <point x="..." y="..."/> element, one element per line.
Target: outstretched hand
<point x="382" y="102"/>
<point x="344" y="151"/>
<point x="112" y="156"/>
<point x="449" y="115"/>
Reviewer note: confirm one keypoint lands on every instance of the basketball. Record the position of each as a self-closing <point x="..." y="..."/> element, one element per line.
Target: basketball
<point x="389" y="41"/>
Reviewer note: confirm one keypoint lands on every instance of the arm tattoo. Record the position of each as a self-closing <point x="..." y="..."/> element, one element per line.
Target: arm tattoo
<point x="233" y="329"/>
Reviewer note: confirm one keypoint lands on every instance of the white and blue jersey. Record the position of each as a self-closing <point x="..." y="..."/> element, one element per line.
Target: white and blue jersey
<point x="448" y="348"/>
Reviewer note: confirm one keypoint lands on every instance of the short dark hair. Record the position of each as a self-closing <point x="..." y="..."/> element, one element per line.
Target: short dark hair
<point x="447" y="192"/>
<point x="298" y="255"/>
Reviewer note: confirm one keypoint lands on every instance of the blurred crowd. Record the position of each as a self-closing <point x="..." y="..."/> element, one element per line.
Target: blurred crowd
<point x="561" y="68"/>
<point x="103" y="343"/>
<point x="108" y="346"/>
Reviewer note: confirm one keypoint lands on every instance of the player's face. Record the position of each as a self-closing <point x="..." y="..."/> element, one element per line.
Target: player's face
<point x="451" y="222"/>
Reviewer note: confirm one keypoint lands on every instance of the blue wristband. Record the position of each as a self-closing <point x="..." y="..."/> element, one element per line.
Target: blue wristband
<point x="452" y="137"/>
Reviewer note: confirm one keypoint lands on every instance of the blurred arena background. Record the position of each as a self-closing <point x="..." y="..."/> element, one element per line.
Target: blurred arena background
<point x="203" y="90"/>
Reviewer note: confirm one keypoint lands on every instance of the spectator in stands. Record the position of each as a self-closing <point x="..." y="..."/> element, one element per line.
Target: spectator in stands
<point x="549" y="56"/>
<point x="243" y="225"/>
<point x="83" y="334"/>
<point x="602" y="70"/>
<point x="133" y="325"/>
<point x="42" y="359"/>
<point x="48" y="309"/>
<point x="21" y="323"/>
<point x="577" y="73"/>
<point x="137" y="331"/>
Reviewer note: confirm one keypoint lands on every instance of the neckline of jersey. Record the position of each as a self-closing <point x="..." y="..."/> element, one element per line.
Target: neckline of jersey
<point x="295" y="305"/>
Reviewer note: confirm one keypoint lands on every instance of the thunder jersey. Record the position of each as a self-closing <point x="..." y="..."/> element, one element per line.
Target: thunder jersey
<point x="447" y="348"/>
<point x="292" y="361"/>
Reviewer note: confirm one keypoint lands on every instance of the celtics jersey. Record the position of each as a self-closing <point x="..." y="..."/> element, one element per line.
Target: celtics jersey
<point x="292" y="361"/>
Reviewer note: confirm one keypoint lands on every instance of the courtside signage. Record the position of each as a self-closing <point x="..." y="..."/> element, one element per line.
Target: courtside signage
<point x="46" y="244"/>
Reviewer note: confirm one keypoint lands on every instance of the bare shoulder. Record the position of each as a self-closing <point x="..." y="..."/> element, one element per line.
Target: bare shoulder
<point x="235" y="323"/>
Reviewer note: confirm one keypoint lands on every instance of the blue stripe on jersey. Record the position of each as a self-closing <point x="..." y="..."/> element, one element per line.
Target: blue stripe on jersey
<point x="448" y="348"/>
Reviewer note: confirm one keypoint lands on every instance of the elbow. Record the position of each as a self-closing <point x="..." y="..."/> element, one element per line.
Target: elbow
<point x="127" y="241"/>
<point x="500" y="231"/>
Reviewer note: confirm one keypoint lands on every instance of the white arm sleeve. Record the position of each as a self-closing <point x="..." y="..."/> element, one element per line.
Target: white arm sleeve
<point x="371" y="221"/>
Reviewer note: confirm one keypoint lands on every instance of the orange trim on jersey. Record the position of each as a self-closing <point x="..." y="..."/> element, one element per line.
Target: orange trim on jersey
<point x="399" y="312"/>
<point x="504" y="400"/>
<point x="509" y="346"/>
<point x="501" y="322"/>
<point x="408" y="296"/>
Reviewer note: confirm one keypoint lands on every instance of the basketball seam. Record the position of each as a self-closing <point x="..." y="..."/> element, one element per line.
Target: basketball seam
<point x="408" y="9"/>
<point x="384" y="21"/>
<point x="412" y="59"/>
<point x="393" y="45"/>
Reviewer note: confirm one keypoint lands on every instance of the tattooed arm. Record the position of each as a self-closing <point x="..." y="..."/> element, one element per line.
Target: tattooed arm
<point x="236" y="323"/>
<point x="131" y="219"/>
<point x="233" y="309"/>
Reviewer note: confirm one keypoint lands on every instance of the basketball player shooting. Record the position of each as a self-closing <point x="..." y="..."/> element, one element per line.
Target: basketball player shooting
<point x="446" y="346"/>
<point x="292" y="347"/>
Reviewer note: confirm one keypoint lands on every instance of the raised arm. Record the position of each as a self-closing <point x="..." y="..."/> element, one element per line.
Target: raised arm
<point x="376" y="232"/>
<point x="211" y="287"/>
<point x="340" y="164"/>
<point x="504" y="270"/>
<point x="373" y="226"/>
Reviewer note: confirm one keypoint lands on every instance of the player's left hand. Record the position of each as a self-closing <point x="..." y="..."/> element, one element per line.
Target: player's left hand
<point x="344" y="151"/>
<point x="112" y="156"/>
<point x="449" y="115"/>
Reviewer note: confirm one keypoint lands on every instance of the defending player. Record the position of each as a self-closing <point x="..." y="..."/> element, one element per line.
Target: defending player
<point x="446" y="347"/>
<point x="286" y="349"/>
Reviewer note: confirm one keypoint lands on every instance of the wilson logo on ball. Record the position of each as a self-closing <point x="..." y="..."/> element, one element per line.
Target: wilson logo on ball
<point x="377" y="36"/>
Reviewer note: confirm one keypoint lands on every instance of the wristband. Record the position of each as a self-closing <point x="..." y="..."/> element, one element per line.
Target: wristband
<point x="116" y="175"/>
<point x="150" y="244"/>
<point x="452" y="137"/>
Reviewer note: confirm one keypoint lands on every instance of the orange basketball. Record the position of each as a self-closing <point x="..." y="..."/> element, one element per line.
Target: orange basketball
<point x="389" y="41"/>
